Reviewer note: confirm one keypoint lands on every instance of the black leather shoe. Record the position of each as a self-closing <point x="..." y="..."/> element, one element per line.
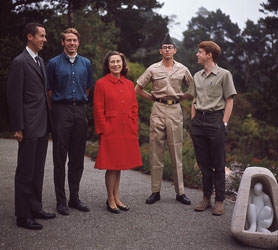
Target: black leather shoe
<point x="40" y="214"/>
<point x="77" y="204"/>
<point x="126" y="208"/>
<point x="112" y="210"/>
<point x="183" y="199"/>
<point x="28" y="223"/>
<point x="62" y="209"/>
<point x="153" y="198"/>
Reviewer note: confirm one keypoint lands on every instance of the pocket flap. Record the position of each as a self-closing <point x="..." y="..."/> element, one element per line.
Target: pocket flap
<point x="159" y="75"/>
<point x="177" y="77"/>
<point x="130" y="115"/>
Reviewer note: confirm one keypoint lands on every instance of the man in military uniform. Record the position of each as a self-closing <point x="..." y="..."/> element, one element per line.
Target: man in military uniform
<point x="213" y="90"/>
<point x="166" y="121"/>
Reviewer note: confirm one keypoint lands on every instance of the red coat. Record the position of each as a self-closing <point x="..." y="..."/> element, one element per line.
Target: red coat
<point x="116" y="119"/>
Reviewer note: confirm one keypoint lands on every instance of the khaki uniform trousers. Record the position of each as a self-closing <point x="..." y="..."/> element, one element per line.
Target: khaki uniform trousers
<point x="166" y="124"/>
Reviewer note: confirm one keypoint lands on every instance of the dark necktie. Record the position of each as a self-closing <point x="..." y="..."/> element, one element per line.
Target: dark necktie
<point x="37" y="61"/>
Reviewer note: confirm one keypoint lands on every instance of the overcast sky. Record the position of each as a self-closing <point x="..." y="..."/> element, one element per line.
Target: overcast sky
<point x="238" y="10"/>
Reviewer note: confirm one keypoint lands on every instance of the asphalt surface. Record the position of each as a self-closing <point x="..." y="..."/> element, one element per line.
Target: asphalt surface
<point x="165" y="225"/>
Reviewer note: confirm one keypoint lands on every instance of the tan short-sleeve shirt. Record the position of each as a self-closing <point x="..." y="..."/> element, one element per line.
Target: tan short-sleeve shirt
<point x="166" y="84"/>
<point x="211" y="91"/>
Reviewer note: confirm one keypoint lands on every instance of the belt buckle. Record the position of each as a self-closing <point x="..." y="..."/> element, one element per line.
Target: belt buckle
<point x="170" y="102"/>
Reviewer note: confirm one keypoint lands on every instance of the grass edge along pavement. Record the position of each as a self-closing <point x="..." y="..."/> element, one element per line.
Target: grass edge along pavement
<point x="192" y="174"/>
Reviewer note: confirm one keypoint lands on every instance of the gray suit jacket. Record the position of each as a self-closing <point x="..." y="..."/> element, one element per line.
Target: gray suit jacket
<point x="27" y="96"/>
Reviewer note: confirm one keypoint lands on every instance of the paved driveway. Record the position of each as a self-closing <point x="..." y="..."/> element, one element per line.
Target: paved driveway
<point x="165" y="225"/>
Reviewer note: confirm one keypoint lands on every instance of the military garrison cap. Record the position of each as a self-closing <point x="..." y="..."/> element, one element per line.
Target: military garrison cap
<point x="167" y="40"/>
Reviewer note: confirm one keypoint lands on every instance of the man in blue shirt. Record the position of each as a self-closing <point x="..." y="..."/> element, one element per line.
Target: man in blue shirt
<point x="69" y="78"/>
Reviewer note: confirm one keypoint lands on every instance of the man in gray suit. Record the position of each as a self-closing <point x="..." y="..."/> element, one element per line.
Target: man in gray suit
<point x="30" y="121"/>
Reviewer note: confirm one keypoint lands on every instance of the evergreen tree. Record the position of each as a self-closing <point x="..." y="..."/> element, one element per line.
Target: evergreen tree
<point x="218" y="27"/>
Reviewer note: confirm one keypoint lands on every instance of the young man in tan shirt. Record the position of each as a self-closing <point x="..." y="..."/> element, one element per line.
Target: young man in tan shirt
<point x="213" y="90"/>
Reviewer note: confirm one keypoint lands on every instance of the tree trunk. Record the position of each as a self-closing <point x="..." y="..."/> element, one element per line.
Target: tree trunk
<point x="70" y="12"/>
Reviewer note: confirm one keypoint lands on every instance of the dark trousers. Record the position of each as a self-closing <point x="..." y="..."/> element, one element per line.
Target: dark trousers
<point x="70" y="126"/>
<point x="29" y="175"/>
<point x="208" y="136"/>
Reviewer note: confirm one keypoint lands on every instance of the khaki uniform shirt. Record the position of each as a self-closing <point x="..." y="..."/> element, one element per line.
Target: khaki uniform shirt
<point x="166" y="84"/>
<point x="211" y="91"/>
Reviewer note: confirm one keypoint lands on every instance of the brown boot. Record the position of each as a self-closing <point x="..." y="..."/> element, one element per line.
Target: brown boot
<point x="219" y="208"/>
<point x="203" y="205"/>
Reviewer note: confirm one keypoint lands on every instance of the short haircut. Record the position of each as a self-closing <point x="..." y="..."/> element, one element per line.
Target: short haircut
<point x="70" y="30"/>
<point x="210" y="46"/>
<point x="106" y="62"/>
<point x="31" y="28"/>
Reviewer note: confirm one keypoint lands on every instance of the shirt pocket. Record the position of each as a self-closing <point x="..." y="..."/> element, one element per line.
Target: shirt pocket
<point x="159" y="80"/>
<point x="176" y="81"/>
<point x="214" y="90"/>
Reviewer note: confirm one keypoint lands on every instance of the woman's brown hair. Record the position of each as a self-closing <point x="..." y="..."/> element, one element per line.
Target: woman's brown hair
<point x="106" y="62"/>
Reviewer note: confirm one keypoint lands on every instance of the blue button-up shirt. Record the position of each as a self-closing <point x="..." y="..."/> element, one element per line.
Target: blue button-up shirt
<point x="69" y="81"/>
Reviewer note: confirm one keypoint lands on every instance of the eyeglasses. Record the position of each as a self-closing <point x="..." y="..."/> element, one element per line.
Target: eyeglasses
<point x="168" y="47"/>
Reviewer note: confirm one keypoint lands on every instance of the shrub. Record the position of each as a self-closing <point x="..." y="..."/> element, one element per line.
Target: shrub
<point x="145" y="149"/>
<point x="135" y="69"/>
<point x="253" y="136"/>
<point x="92" y="150"/>
<point x="192" y="176"/>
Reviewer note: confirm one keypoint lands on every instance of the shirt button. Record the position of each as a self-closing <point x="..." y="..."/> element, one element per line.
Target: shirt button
<point x="73" y="91"/>
<point x="73" y="73"/>
<point x="123" y="101"/>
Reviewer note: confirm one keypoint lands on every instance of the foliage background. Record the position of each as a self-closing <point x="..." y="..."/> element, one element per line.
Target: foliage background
<point x="134" y="28"/>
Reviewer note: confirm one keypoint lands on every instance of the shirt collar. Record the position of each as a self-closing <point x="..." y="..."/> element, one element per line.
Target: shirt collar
<point x="67" y="57"/>
<point x="114" y="79"/>
<point x="214" y="70"/>
<point x="31" y="53"/>
<point x="160" y="64"/>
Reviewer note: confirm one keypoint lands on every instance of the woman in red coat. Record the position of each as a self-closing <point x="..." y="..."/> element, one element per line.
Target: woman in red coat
<point x="116" y="123"/>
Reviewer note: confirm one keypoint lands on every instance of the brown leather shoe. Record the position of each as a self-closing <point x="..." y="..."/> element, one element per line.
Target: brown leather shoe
<point x="219" y="208"/>
<point x="203" y="205"/>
